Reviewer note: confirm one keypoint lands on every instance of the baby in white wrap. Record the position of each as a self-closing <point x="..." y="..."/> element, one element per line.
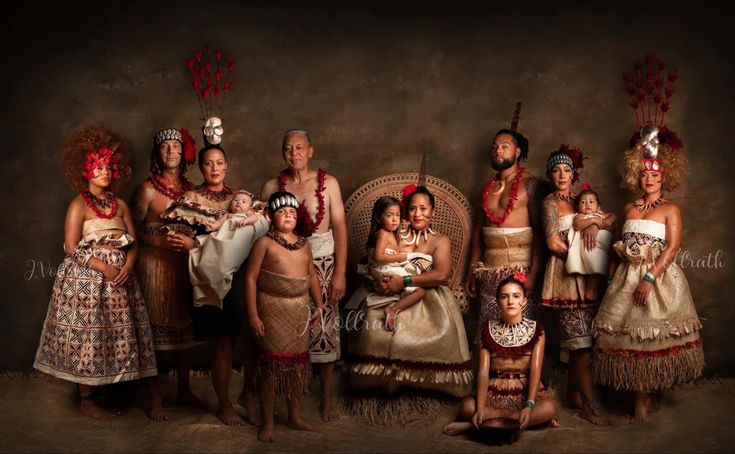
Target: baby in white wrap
<point x="219" y="254"/>
<point x="593" y="262"/>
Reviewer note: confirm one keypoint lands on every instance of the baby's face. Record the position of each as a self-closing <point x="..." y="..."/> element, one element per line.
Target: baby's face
<point x="588" y="204"/>
<point x="241" y="203"/>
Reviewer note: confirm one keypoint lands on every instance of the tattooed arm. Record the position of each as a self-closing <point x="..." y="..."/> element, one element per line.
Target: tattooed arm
<point x="556" y="245"/>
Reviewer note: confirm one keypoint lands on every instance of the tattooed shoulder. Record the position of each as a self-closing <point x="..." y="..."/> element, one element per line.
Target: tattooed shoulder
<point x="550" y="217"/>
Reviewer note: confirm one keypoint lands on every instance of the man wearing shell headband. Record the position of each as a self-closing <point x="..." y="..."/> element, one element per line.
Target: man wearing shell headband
<point x="162" y="268"/>
<point x="647" y="328"/>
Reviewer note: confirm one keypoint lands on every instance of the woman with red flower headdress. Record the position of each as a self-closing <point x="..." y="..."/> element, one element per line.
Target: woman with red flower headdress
<point x="564" y="292"/>
<point x="510" y="394"/>
<point x="97" y="329"/>
<point x="647" y="328"/>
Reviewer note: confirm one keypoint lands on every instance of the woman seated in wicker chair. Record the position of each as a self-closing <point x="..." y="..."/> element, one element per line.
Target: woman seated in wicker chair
<point x="428" y="347"/>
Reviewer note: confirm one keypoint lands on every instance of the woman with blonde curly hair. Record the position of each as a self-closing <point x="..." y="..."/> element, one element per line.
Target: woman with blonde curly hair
<point x="96" y="330"/>
<point x="647" y="328"/>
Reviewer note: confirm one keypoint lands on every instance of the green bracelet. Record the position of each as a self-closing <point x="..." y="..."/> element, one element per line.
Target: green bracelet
<point x="407" y="281"/>
<point x="530" y="404"/>
<point x="649" y="278"/>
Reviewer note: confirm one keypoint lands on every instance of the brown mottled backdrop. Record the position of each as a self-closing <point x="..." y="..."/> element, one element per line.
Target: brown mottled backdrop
<point x="375" y="83"/>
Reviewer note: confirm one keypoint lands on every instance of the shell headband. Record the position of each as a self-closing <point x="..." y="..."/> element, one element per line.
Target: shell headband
<point x="167" y="134"/>
<point x="559" y="158"/>
<point x="283" y="201"/>
<point x="183" y="136"/>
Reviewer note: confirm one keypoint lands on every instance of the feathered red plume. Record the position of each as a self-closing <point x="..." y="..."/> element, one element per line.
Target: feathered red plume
<point x="520" y="277"/>
<point x="587" y="187"/>
<point x="577" y="158"/>
<point x="189" y="146"/>
<point x="650" y="96"/>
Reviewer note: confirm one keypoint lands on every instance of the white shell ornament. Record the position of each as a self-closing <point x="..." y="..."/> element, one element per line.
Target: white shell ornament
<point x="213" y="130"/>
<point x="649" y="140"/>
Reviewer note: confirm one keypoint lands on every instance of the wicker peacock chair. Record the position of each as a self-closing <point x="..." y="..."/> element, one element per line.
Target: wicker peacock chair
<point x="452" y="217"/>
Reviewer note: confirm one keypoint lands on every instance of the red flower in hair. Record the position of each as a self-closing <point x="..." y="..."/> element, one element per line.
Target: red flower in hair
<point x="102" y="157"/>
<point x="520" y="277"/>
<point x="407" y="191"/>
<point x="587" y="187"/>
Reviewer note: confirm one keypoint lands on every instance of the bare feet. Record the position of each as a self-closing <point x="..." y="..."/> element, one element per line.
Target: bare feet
<point x="554" y="423"/>
<point x="230" y="417"/>
<point x="190" y="399"/>
<point x="248" y="403"/>
<point x="457" y="427"/>
<point x="643" y="406"/>
<point x="390" y="318"/>
<point x="592" y="413"/>
<point x="91" y="409"/>
<point x="265" y="434"/>
<point x="156" y="412"/>
<point x="329" y="414"/>
<point x="297" y="423"/>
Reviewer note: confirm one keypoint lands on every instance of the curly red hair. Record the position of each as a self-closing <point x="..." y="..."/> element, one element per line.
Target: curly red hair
<point x="89" y="139"/>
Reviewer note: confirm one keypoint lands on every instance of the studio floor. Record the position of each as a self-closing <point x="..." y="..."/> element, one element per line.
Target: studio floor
<point x="37" y="414"/>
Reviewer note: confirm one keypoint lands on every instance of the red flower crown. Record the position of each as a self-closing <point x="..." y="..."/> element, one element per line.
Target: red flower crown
<point x="102" y="157"/>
